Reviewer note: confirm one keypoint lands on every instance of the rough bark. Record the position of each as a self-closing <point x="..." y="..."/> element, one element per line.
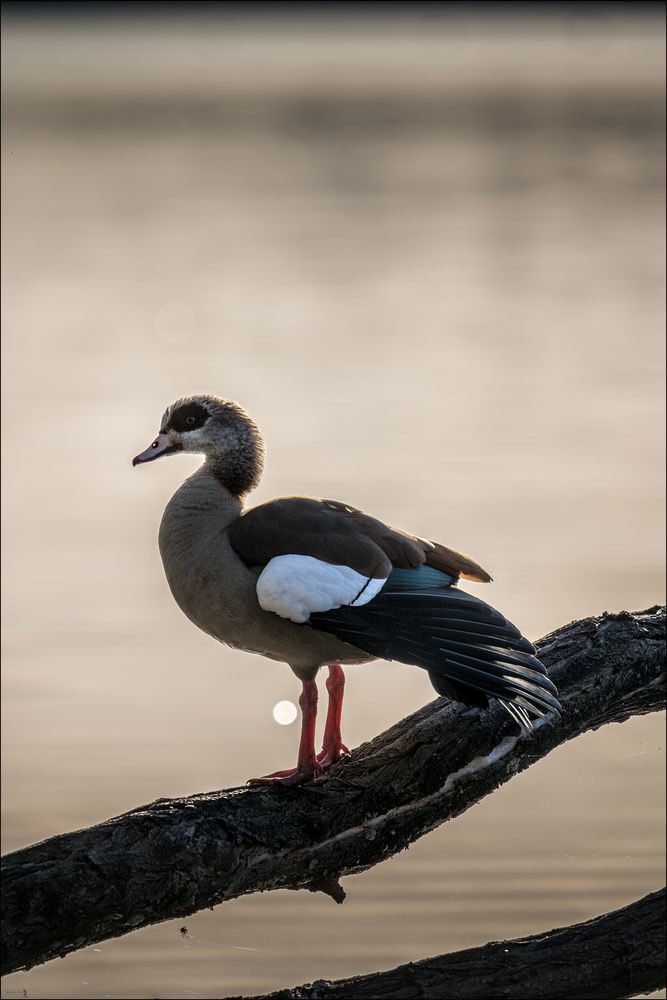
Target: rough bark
<point x="176" y="856"/>
<point x="617" y="955"/>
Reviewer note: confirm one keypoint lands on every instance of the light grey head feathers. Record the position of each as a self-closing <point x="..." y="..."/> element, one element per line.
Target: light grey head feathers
<point x="220" y="430"/>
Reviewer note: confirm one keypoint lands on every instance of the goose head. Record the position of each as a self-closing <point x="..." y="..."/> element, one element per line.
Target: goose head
<point x="220" y="430"/>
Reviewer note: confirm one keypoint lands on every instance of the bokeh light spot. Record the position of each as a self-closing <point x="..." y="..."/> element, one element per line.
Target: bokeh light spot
<point x="284" y="713"/>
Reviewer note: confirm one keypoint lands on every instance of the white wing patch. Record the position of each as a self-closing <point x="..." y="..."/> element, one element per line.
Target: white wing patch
<point x="295" y="586"/>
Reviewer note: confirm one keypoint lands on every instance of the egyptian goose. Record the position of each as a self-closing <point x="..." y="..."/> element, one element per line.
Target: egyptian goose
<point x="316" y="582"/>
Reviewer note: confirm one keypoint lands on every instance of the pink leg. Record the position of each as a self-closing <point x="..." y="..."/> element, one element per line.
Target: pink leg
<point x="333" y="747"/>
<point x="308" y="766"/>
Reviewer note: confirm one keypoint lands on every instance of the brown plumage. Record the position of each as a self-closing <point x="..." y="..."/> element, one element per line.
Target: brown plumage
<point x="317" y="582"/>
<point x="340" y="535"/>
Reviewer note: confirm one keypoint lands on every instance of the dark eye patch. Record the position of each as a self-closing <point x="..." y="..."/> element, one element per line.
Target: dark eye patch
<point x="182" y="418"/>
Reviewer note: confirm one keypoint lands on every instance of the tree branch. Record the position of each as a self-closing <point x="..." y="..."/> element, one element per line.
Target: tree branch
<point x="617" y="955"/>
<point x="176" y="856"/>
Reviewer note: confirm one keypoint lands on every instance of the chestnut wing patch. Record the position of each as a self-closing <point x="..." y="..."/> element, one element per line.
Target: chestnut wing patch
<point x="318" y="555"/>
<point x="317" y="528"/>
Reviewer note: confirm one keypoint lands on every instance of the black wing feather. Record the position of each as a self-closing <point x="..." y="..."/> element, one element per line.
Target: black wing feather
<point x="469" y="649"/>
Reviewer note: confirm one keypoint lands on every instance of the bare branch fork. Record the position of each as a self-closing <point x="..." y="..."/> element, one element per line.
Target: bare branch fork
<point x="176" y="856"/>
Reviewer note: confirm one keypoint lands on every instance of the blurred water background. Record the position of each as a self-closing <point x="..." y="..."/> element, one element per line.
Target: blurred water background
<point x="427" y="255"/>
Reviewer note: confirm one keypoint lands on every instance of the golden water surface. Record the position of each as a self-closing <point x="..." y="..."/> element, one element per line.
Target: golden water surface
<point x="428" y="258"/>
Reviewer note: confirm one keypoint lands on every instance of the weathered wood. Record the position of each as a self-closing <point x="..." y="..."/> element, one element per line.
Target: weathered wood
<point x="611" y="957"/>
<point x="176" y="856"/>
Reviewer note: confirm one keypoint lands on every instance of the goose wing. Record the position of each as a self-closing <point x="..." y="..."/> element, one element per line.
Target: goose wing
<point x="392" y="594"/>
<point x="315" y="555"/>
